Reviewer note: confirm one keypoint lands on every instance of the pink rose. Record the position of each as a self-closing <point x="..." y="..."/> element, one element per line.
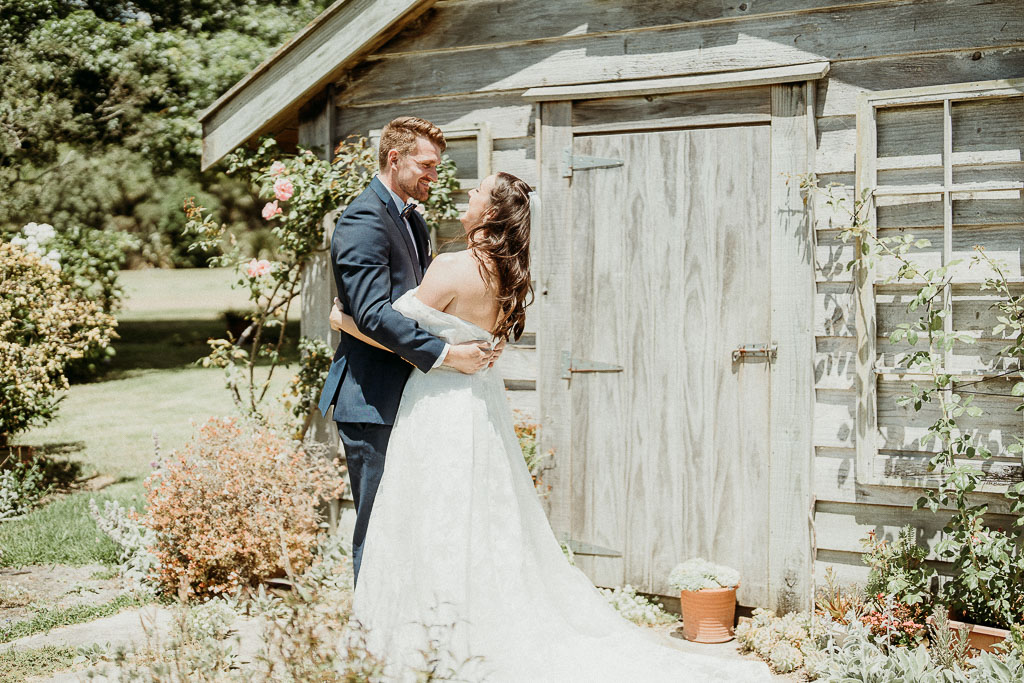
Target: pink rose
<point x="258" y="268"/>
<point x="271" y="209"/>
<point x="283" y="189"/>
<point x="277" y="168"/>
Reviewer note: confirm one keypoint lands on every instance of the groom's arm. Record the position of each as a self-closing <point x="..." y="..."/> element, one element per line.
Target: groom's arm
<point x="360" y="250"/>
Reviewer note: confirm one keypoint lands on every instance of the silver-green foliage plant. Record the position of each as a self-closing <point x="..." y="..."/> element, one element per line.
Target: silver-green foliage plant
<point x="136" y="561"/>
<point x="696" y="574"/>
<point x="635" y="607"/>
<point x="788" y="642"/>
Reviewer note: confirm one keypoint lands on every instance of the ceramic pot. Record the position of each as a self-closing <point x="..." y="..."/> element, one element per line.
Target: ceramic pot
<point x="708" y="614"/>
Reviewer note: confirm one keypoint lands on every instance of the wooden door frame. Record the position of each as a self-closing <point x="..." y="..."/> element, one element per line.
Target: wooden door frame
<point x="792" y="150"/>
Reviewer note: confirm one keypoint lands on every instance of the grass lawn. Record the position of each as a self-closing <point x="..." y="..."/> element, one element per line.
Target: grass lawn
<point x="151" y="389"/>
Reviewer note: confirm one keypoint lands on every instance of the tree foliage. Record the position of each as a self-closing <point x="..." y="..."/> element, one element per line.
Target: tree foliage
<point x="98" y="113"/>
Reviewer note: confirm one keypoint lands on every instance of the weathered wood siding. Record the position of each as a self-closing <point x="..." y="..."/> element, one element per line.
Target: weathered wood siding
<point x="466" y="61"/>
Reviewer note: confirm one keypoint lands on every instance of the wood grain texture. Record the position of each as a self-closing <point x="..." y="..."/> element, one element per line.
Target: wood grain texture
<point x="507" y="113"/>
<point x="897" y="28"/>
<point x="649" y="87"/>
<point x="792" y="303"/>
<point x="683" y="110"/>
<point x="650" y="479"/>
<point x="837" y="95"/>
<point x="834" y="481"/>
<point x="552" y="261"/>
<point x="317" y="294"/>
<point x="460" y="24"/>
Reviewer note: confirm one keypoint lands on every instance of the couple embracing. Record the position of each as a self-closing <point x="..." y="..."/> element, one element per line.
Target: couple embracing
<point x="450" y="541"/>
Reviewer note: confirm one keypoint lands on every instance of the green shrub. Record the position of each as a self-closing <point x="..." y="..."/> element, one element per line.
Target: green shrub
<point x="43" y="327"/>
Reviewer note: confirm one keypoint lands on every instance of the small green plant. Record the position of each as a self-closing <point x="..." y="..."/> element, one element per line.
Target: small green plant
<point x="536" y="463"/>
<point x="696" y="574"/>
<point x="303" y="391"/>
<point x="836" y="602"/>
<point x="898" y="569"/>
<point x="22" y="485"/>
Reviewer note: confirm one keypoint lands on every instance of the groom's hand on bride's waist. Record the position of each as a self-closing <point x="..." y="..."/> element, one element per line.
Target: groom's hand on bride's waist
<point x="469" y="357"/>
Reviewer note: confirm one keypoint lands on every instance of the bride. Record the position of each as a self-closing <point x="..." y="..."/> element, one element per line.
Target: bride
<point x="459" y="557"/>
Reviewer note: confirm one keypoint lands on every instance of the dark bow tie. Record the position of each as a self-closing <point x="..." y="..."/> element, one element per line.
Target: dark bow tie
<point x="409" y="208"/>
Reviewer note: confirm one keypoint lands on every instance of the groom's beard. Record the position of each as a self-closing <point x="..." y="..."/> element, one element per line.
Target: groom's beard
<point x="415" y="190"/>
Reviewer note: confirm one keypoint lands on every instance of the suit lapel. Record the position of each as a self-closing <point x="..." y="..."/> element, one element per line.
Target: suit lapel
<point x="399" y="224"/>
<point x="423" y="236"/>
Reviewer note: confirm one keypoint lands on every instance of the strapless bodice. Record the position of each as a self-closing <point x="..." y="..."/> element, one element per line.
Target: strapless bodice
<point x="446" y="326"/>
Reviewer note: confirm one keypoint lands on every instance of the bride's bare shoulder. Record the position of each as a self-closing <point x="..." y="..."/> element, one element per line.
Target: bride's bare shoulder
<point x="445" y="279"/>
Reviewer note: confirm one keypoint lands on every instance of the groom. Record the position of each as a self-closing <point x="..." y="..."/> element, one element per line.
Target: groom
<point x="379" y="251"/>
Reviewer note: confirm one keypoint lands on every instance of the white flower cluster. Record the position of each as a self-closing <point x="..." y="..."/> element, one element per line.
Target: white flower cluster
<point x="695" y="574"/>
<point x="636" y="608"/>
<point x="33" y="238"/>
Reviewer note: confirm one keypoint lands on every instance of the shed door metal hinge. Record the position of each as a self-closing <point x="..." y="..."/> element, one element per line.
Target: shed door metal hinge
<point x="756" y="351"/>
<point x="571" y="365"/>
<point x="577" y="162"/>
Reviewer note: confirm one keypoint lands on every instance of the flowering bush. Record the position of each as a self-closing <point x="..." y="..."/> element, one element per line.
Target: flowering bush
<point x="696" y="574"/>
<point x="42" y="328"/>
<point x="237" y="505"/>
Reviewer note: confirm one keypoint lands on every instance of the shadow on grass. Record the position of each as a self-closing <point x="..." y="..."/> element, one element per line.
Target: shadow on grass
<point x="169" y="344"/>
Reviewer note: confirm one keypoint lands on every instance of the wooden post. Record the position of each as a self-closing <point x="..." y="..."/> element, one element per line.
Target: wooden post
<point x="553" y="263"/>
<point x="792" y="390"/>
<point x="316" y="132"/>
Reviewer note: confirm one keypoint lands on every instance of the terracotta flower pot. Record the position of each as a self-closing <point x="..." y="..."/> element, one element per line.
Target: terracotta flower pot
<point x="708" y="614"/>
<point x="981" y="637"/>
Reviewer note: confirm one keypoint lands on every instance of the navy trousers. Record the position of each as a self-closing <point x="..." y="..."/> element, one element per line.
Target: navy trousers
<point x="365" y="446"/>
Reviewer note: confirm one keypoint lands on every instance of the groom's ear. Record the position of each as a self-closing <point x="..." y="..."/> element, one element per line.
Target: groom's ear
<point x="392" y="157"/>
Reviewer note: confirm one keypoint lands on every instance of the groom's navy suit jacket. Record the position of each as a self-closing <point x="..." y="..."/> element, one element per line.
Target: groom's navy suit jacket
<point x="374" y="263"/>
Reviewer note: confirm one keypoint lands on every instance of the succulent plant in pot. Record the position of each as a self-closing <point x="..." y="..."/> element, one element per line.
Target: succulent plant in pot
<point x="707" y="599"/>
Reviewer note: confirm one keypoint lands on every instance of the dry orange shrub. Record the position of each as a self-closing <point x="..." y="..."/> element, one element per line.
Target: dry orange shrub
<point x="236" y="506"/>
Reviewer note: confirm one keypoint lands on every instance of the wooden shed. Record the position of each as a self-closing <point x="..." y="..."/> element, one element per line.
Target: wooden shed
<point x="711" y="379"/>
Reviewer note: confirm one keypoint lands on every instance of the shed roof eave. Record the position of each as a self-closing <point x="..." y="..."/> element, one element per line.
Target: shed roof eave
<point x="315" y="56"/>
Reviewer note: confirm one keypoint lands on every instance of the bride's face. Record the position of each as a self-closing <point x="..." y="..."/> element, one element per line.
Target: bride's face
<point x="479" y="204"/>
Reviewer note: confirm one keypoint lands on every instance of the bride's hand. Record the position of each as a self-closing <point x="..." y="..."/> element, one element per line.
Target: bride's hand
<point x="496" y="353"/>
<point x="337" y="317"/>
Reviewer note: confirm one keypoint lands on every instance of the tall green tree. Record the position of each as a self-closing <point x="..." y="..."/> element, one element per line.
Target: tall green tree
<point x="98" y="105"/>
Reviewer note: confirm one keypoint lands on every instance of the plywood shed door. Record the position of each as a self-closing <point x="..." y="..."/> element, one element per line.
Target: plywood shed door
<point x="671" y="273"/>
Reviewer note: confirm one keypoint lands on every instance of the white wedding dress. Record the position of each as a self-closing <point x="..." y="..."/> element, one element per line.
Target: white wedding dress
<point x="459" y="550"/>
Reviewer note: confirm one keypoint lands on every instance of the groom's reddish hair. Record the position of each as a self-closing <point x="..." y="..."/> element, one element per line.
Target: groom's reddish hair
<point x="401" y="135"/>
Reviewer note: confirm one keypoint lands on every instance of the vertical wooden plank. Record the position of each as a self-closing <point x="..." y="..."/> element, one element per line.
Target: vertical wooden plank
<point x="866" y="327"/>
<point x="947" y="218"/>
<point x="553" y="263"/>
<point x="792" y="398"/>
<point x="316" y="132"/>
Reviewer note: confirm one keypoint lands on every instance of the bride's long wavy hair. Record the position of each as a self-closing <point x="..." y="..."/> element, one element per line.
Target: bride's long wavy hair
<point x="501" y="245"/>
